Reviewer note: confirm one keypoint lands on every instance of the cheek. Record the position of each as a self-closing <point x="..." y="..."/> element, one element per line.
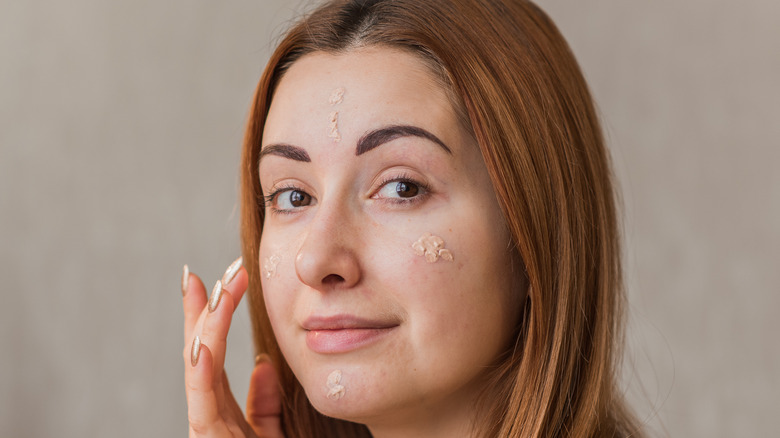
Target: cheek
<point x="278" y="278"/>
<point x="269" y="264"/>
<point x="456" y="284"/>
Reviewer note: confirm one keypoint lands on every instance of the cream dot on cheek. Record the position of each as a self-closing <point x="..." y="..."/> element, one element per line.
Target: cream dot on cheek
<point x="269" y="266"/>
<point x="432" y="248"/>
<point x="335" y="389"/>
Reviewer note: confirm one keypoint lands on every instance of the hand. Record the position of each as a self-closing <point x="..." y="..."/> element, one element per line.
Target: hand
<point x="212" y="409"/>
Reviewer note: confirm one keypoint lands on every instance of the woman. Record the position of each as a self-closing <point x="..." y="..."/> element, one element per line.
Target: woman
<point x="429" y="235"/>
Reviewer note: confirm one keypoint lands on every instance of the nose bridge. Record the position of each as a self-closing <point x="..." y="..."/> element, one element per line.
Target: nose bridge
<point x="335" y="220"/>
<point x="327" y="257"/>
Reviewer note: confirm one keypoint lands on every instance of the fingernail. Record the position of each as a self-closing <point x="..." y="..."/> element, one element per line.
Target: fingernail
<point x="232" y="270"/>
<point x="195" y="353"/>
<point x="185" y="280"/>
<point x="262" y="358"/>
<point x="216" y="294"/>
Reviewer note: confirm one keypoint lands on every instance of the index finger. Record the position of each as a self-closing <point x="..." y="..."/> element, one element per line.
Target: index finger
<point x="193" y="300"/>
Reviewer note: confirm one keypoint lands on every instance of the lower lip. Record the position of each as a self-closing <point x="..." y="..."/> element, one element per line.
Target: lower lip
<point x="344" y="340"/>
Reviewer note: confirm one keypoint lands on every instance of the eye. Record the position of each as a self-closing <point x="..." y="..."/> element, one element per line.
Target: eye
<point x="289" y="199"/>
<point x="401" y="190"/>
<point x="398" y="189"/>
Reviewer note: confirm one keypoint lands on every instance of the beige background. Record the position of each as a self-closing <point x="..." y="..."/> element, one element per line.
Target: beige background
<point x="120" y="124"/>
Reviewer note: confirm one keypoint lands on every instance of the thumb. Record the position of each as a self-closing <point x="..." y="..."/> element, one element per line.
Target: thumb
<point x="264" y="401"/>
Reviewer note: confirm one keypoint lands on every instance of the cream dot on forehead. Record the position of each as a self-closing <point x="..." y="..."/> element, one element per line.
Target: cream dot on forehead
<point x="333" y="127"/>
<point x="432" y="248"/>
<point x="337" y="96"/>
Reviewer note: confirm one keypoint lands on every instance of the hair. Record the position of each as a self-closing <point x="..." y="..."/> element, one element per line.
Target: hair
<point x="519" y="89"/>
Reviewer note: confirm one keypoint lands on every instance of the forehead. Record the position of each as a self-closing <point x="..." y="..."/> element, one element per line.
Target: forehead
<point x="381" y="86"/>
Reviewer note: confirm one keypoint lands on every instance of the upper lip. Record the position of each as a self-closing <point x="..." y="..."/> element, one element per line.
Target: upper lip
<point x="342" y="322"/>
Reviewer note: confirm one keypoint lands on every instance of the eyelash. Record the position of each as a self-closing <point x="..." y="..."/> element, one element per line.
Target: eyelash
<point x="268" y="200"/>
<point x="406" y="178"/>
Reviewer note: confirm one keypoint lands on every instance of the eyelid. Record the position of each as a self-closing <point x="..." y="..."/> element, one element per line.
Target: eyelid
<point x="280" y="187"/>
<point x="289" y="183"/>
<point x="403" y="175"/>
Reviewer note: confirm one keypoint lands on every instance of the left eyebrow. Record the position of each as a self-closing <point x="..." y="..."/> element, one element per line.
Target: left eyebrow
<point x="286" y="151"/>
<point x="387" y="134"/>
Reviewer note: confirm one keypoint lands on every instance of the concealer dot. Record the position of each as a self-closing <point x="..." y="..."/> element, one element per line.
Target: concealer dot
<point x="333" y="127"/>
<point x="337" y="96"/>
<point x="432" y="248"/>
<point x="335" y="389"/>
<point x="269" y="266"/>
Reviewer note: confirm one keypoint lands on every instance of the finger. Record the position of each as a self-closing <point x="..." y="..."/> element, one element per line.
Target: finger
<point x="264" y="401"/>
<point x="194" y="301"/>
<point x="218" y="316"/>
<point x="237" y="421"/>
<point x="219" y="312"/>
<point x="202" y="401"/>
<point x="195" y="298"/>
<point x="237" y="285"/>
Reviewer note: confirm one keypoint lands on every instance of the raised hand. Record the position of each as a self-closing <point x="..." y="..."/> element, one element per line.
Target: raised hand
<point x="212" y="409"/>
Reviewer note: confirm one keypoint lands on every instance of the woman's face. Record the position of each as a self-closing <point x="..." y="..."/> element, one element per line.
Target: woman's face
<point x="386" y="264"/>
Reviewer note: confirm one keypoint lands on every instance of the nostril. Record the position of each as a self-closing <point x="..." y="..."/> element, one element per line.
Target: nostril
<point x="332" y="279"/>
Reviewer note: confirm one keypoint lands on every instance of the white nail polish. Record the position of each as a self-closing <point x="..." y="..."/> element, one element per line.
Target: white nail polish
<point x="185" y="280"/>
<point x="216" y="294"/>
<point x="195" y="352"/>
<point x="232" y="270"/>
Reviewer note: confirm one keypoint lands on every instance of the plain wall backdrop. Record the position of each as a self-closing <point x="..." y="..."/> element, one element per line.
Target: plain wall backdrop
<point x="120" y="130"/>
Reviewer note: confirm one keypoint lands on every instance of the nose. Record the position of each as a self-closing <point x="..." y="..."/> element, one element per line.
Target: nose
<point x="327" y="259"/>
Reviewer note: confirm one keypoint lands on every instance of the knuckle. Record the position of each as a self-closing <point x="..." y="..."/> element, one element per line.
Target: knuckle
<point x="191" y="386"/>
<point x="198" y="426"/>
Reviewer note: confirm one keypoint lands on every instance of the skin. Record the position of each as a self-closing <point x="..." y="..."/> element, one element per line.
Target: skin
<point x="345" y="246"/>
<point x="212" y="409"/>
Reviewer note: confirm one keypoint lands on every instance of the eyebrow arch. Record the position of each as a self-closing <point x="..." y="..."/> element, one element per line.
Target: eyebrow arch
<point x="286" y="151"/>
<point x="381" y="136"/>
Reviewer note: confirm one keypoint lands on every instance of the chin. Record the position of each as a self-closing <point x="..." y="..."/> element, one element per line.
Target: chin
<point x="358" y="403"/>
<point x="347" y="408"/>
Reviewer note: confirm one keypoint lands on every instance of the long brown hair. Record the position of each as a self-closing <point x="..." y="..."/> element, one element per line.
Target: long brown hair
<point x="514" y="79"/>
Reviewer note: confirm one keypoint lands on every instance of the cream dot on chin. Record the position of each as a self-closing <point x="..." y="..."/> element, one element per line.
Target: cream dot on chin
<point x="335" y="389"/>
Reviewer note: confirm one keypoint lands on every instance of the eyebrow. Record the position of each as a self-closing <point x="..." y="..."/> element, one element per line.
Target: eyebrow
<point x="387" y="134"/>
<point x="286" y="151"/>
<point x="369" y="141"/>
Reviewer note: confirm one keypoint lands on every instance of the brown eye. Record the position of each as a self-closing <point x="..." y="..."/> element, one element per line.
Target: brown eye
<point x="288" y="199"/>
<point x="299" y="199"/>
<point x="406" y="189"/>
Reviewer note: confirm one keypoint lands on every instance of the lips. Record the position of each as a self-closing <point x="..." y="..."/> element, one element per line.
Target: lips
<point x="344" y="333"/>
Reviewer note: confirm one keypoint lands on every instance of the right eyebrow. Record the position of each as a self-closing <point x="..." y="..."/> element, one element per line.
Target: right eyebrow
<point x="286" y="151"/>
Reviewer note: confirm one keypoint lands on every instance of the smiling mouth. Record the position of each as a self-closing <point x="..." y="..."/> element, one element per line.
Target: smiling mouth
<point x="344" y="333"/>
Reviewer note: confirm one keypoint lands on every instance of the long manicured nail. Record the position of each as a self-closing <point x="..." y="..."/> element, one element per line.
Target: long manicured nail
<point x="195" y="352"/>
<point x="216" y="294"/>
<point x="231" y="271"/>
<point x="185" y="280"/>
